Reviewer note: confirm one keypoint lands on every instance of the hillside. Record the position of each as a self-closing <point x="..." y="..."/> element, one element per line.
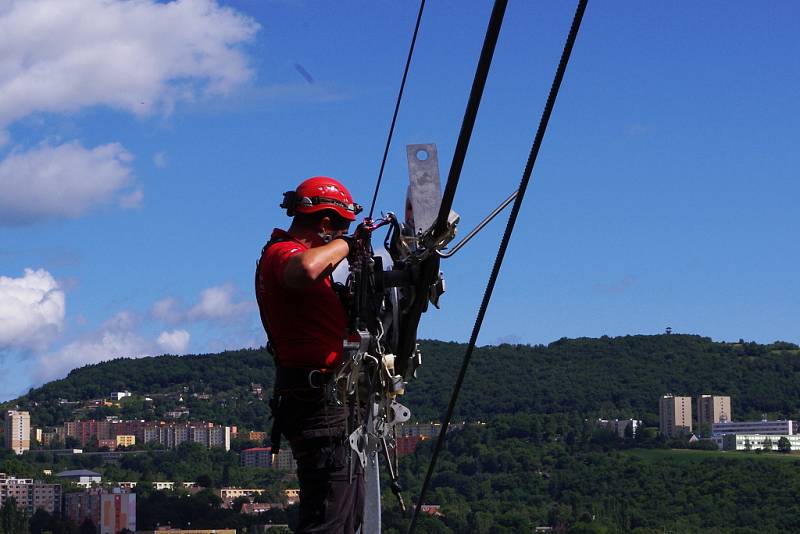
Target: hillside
<point x="539" y="461"/>
<point x="608" y="377"/>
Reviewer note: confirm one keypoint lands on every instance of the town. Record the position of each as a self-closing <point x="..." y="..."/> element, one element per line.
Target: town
<point x="85" y="499"/>
<point x="714" y="424"/>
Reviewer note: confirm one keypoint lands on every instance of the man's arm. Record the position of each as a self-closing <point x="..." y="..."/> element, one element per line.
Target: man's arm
<point x="314" y="264"/>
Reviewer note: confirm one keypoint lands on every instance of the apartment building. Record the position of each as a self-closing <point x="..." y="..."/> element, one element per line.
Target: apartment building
<point x="620" y="426"/>
<point x="110" y="510"/>
<point x="117" y="511"/>
<point x="675" y="415"/>
<point x="256" y="436"/>
<point x="262" y="457"/>
<point x="713" y="409"/>
<point x="424" y="430"/>
<point x="17" y="431"/>
<point x="173" y="434"/>
<point x="30" y="494"/>
<point x="125" y="440"/>
<point x="84" y="431"/>
<point x="80" y="505"/>
<point x="170" y="434"/>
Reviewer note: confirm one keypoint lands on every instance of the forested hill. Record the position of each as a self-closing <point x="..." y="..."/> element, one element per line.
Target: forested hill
<point x="608" y="377"/>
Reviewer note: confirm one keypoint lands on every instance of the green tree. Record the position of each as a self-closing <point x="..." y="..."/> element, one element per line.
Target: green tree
<point x="784" y="445"/>
<point x="226" y="475"/>
<point x="12" y="520"/>
<point x="560" y="516"/>
<point x="767" y="444"/>
<point x="704" y="430"/>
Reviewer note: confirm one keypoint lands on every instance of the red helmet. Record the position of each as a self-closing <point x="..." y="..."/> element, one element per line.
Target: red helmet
<point x="321" y="193"/>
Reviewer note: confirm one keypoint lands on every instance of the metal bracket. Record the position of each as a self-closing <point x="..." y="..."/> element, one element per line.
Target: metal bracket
<point x="364" y="443"/>
<point x="398" y="413"/>
<point x="358" y="442"/>
<point x="424" y="187"/>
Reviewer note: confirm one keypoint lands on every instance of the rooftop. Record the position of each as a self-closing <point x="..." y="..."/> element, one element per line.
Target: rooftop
<point x="78" y="473"/>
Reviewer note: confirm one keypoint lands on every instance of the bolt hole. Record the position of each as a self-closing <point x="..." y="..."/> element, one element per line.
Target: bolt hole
<point x="422" y="155"/>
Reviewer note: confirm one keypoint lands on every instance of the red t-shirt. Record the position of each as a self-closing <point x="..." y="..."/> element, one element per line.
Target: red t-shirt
<point x="307" y="325"/>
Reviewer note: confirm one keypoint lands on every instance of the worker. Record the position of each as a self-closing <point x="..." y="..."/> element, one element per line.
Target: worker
<point x="306" y="324"/>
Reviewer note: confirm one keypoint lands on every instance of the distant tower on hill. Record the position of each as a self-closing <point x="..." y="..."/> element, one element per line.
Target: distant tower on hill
<point x="669" y="330"/>
<point x="675" y="415"/>
<point x="18" y="431"/>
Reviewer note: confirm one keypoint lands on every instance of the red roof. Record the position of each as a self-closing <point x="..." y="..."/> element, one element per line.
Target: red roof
<point x="257" y="449"/>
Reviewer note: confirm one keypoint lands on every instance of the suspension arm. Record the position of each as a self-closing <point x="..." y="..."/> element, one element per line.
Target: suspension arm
<point x="478" y="228"/>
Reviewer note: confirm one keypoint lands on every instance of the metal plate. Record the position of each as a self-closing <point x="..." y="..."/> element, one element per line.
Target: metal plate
<point x="424" y="186"/>
<point x="372" y="497"/>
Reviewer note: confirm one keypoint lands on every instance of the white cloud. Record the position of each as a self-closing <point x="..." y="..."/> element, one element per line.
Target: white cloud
<point x="140" y="56"/>
<point x="114" y="339"/>
<point x="61" y="181"/>
<point x="217" y="303"/>
<point x="105" y="345"/>
<point x="160" y="160"/>
<point x="31" y="309"/>
<point x="121" y="321"/>
<point x="174" y="342"/>
<point x="132" y="199"/>
<point x="167" y="310"/>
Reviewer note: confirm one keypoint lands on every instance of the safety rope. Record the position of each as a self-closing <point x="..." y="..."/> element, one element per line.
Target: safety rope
<point x="551" y="98"/>
<point x="397" y="107"/>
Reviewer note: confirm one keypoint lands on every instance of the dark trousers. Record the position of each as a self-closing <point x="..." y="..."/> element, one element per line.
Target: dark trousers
<point x="330" y="500"/>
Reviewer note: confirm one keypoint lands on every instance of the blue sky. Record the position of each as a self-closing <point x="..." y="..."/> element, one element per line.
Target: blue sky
<point x="145" y="147"/>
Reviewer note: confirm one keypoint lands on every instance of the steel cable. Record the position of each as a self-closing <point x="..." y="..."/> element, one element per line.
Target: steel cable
<point x="429" y="268"/>
<point x="551" y="98"/>
<point x="397" y="107"/>
<point x="470" y="114"/>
